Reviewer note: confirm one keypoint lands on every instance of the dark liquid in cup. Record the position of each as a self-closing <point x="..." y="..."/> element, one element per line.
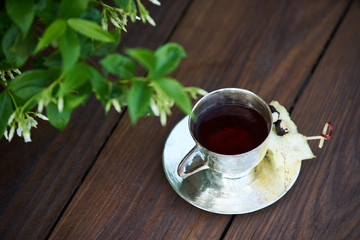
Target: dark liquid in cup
<point x="230" y="129"/>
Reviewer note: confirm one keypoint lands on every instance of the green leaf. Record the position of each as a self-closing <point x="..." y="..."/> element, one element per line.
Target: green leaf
<point x="72" y="101"/>
<point x="46" y="10"/>
<point x="5" y="110"/>
<point x="73" y="8"/>
<point x="138" y="100"/>
<point x="70" y="49"/>
<point x="90" y="29"/>
<point x="145" y="57"/>
<point x="100" y="85"/>
<point x="5" y="22"/>
<point x="87" y="47"/>
<point x="168" y="58"/>
<point x="31" y="82"/>
<point x="32" y="78"/>
<point x="8" y="41"/>
<point x="54" y="60"/>
<point x="22" y="12"/>
<point x="24" y="46"/>
<point x="39" y="62"/>
<point x="56" y="118"/>
<point x="122" y="3"/>
<point x="75" y="78"/>
<point x="174" y="90"/>
<point x="102" y="48"/>
<point x="92" y="14"/>
<point x="120" y="65"/>
<point x="52" y="33"/>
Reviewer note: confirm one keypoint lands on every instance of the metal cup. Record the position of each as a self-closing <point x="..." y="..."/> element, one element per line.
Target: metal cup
<point x="230" y="166"/>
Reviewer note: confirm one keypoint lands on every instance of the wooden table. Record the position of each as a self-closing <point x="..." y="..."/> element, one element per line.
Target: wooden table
<point x="102" y="178"/>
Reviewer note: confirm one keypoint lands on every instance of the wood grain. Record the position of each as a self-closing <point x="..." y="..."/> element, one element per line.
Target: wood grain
<point x="325" y="201"/>
<point x="38" y="179"/>
<point x="267" y="47"/>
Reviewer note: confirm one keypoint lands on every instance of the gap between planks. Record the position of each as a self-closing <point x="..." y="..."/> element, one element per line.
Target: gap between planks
<point x="318" y="59"/>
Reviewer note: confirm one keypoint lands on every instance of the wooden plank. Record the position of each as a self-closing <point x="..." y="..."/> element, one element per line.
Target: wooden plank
<point x="132" y="200"/>
<point x="267" y="47"/>
<point x="324" y="203"/>
<point x="38" y="179"/>
<point x="254" y="44"/>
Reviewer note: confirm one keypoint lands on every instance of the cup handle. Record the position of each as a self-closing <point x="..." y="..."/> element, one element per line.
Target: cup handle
<point x="181" y="168"/>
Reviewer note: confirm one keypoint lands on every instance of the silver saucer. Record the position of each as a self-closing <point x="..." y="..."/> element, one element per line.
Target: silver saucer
<point x="209" y="191"/>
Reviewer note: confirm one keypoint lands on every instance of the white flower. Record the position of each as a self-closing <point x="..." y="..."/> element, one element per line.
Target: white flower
<point x="104" y="21"/>
<point x="202" y="92"/>
<point x="104" y="24"/>
<point x="43" y="117"/>
<point x="2" y="75"/>
<point x="11" y="133"/>
<point x="31" y="122"/>
<point x="19" y="131"/>
<point x="120" y="10"/>
<point x="124" y="20"/>
<point x="114" y="22"/>
<point x="150" y="20"/>
<point x="107" y="106"/>
<point x="116" y="105"/>
<point x="11" y="118"/>
<point x="6" y="134"/>
<point x="23" y="129"/>
<point x="156" y="2"/>
<point x="10" y="74"/>
<point x="61" y="104"/>
<point x="27" y="136"/>
<point x="16" y="70"/>
<point x="163" y="118"/>
<point x="40" y="107"/>
<point x="154" y="108"/>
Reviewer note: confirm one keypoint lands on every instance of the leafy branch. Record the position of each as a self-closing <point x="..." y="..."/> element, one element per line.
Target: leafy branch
<point x="60" y="38"/>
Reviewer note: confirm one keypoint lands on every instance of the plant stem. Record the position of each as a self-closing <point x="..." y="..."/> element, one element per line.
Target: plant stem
<point x="12" y="97"/>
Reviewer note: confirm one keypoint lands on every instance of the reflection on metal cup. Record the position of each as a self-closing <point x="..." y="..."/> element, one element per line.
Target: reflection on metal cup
<point x="232" y="164"/>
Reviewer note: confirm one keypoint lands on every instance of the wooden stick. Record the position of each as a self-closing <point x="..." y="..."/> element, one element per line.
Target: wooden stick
<point x="321" y="138"/>
<point x="323" y="135"/>
<point x="314" y="138"/>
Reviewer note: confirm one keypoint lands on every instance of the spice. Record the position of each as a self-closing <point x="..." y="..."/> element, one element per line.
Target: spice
<point x="281" y="127"/>
<point x="275" y="114"/>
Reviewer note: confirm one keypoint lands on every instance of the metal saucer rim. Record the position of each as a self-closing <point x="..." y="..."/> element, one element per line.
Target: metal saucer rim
<point x="175" y="184"/>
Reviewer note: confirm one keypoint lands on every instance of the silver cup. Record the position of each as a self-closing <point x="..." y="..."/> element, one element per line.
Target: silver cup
<point x="230" y="166"/>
